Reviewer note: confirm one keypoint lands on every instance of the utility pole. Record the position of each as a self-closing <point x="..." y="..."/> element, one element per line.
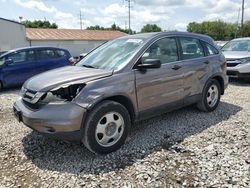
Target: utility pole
<point x="81" y="19"/>
<point x="129" y="15"/>
<point x="242" y="18"/>
<point x="237" y="28"/>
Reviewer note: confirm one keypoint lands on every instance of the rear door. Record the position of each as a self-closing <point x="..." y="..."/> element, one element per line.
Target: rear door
<point x="22" y="68"/>
<point x="48" y="59"/>
<point x="161" y="88"/>
<point x="195" y="67"/>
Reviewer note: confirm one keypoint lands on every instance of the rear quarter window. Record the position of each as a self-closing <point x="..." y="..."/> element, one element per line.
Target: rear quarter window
<point x="211" y="50"/>
<point x="60" y="53"/>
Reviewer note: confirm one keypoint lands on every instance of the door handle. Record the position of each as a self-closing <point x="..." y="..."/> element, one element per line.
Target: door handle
<point x="207" y="62"/>
<point x="176" y="67"/>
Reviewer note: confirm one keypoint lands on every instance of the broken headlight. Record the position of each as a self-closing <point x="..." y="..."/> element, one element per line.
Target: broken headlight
<point x="62" y="94"/>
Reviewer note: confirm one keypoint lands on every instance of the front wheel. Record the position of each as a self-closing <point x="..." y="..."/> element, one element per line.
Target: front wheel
<point x="106" y="127"/>
<point x="210" y="96"/>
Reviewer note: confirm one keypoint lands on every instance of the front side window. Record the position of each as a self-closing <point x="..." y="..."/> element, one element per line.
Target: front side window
<point x="17" y="57"/>
<point x="2" y="60"/>
<point x="164" y="49"/>
<point x="191" y="48"/>
<point x="112" y="55"/>
<point x="31" y="55"/>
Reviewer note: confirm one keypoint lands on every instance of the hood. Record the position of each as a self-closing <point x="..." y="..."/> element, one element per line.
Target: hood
<point x="54" y="78"/>
<point x="233" y="55"/>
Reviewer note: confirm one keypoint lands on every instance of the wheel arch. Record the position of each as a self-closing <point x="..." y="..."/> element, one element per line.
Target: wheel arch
<point x="221" y="82"/>
<point x="123" y="100"/>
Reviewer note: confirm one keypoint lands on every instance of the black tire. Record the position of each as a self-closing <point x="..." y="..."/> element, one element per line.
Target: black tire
<point x="91" y="139"/>
<point x="205" y="105"/>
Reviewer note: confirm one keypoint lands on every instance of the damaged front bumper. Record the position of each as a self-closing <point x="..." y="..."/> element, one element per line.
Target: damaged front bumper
<point x="62" y="120"/>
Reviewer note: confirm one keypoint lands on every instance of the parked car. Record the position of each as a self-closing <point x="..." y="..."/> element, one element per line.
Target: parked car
<point x="125" y="80"/>
<point x="16" y="66"/>
<point x="220" y="44"/>
<point x="2" y="52"/>
<point x="237" y="53"/>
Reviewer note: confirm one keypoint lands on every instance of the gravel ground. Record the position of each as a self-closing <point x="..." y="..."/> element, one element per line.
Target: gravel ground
<point x="184" y="148"/>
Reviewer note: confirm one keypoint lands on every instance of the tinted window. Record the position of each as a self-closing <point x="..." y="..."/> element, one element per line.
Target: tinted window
<point x="2" y="60"/>
<point x="60" y="53"/>
<point x="191" y="48"/>
<point x="164" y="49"/>
<point x="17" y="57"/>
<point x="211" y="50"/>
<point x="31" y="55"/>
<point x="46" y="54"/>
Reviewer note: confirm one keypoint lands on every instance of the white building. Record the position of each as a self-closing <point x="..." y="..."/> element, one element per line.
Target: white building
<point x="75" y="40"/>
<point x="12" y="35"/>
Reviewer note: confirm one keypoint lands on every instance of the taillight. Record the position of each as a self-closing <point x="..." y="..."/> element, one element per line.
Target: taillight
<point x="72" y="61"/>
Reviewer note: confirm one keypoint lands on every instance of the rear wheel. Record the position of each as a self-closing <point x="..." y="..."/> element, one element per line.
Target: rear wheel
<point x="106" y="127"/>
<point x="210" y="96"/>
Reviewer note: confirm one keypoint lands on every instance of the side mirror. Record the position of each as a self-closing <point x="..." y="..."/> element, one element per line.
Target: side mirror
<point x="8" y="61"/>
<point x="150" y="64"/>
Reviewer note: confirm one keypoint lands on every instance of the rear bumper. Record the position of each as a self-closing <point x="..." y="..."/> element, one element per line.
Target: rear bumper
<point x="60" y="121"/>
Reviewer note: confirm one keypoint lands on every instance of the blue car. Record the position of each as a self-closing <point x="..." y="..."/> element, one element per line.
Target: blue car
<point x="16" y="66"/>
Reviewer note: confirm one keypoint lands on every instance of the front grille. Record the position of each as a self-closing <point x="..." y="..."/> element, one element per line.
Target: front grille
<point x="31" y="99"/>
<point x="232" y="64"/>
<point x="32" y="106"/>
<point x="29" y="95"/>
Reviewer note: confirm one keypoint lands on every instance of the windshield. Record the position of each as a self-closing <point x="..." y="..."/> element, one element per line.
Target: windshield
<point x="112" y="55"/>
<point x="237" y="45"/>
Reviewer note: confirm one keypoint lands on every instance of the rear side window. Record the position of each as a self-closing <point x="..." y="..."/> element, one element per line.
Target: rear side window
<point x="17" y="57"/>
<point x="211" y="50"/>
<point x="191" y="48"/>
<point x="45" y="54"/>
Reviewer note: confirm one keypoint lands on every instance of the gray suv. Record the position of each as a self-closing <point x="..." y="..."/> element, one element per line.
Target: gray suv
<point x="123" y="81"/>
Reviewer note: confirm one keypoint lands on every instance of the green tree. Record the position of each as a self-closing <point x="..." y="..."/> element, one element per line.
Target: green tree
<point x="113" y="27"/>
<point x="246" y="29"/>
<point x="39" y="24"/>
<point x="150" y="28"/>
<point x="218" y="30"/>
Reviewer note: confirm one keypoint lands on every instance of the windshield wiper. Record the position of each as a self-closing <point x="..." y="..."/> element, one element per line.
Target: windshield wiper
<point x="89" y="66"/>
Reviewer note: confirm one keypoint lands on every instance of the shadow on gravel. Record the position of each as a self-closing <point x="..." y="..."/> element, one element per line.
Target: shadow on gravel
<point x="10" y="90"/>
<point x="239" y="82"/>
<point x="146" y="137"/>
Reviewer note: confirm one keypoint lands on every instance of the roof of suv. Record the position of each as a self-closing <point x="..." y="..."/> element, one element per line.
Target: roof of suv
<point x="175" y="33"/>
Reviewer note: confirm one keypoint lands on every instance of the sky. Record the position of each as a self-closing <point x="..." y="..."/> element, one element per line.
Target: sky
<point x="168" y="14"/>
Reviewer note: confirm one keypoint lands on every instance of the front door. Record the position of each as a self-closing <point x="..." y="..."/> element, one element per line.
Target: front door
<point x="162" y="88"/>
<point x="22" y="68"/>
